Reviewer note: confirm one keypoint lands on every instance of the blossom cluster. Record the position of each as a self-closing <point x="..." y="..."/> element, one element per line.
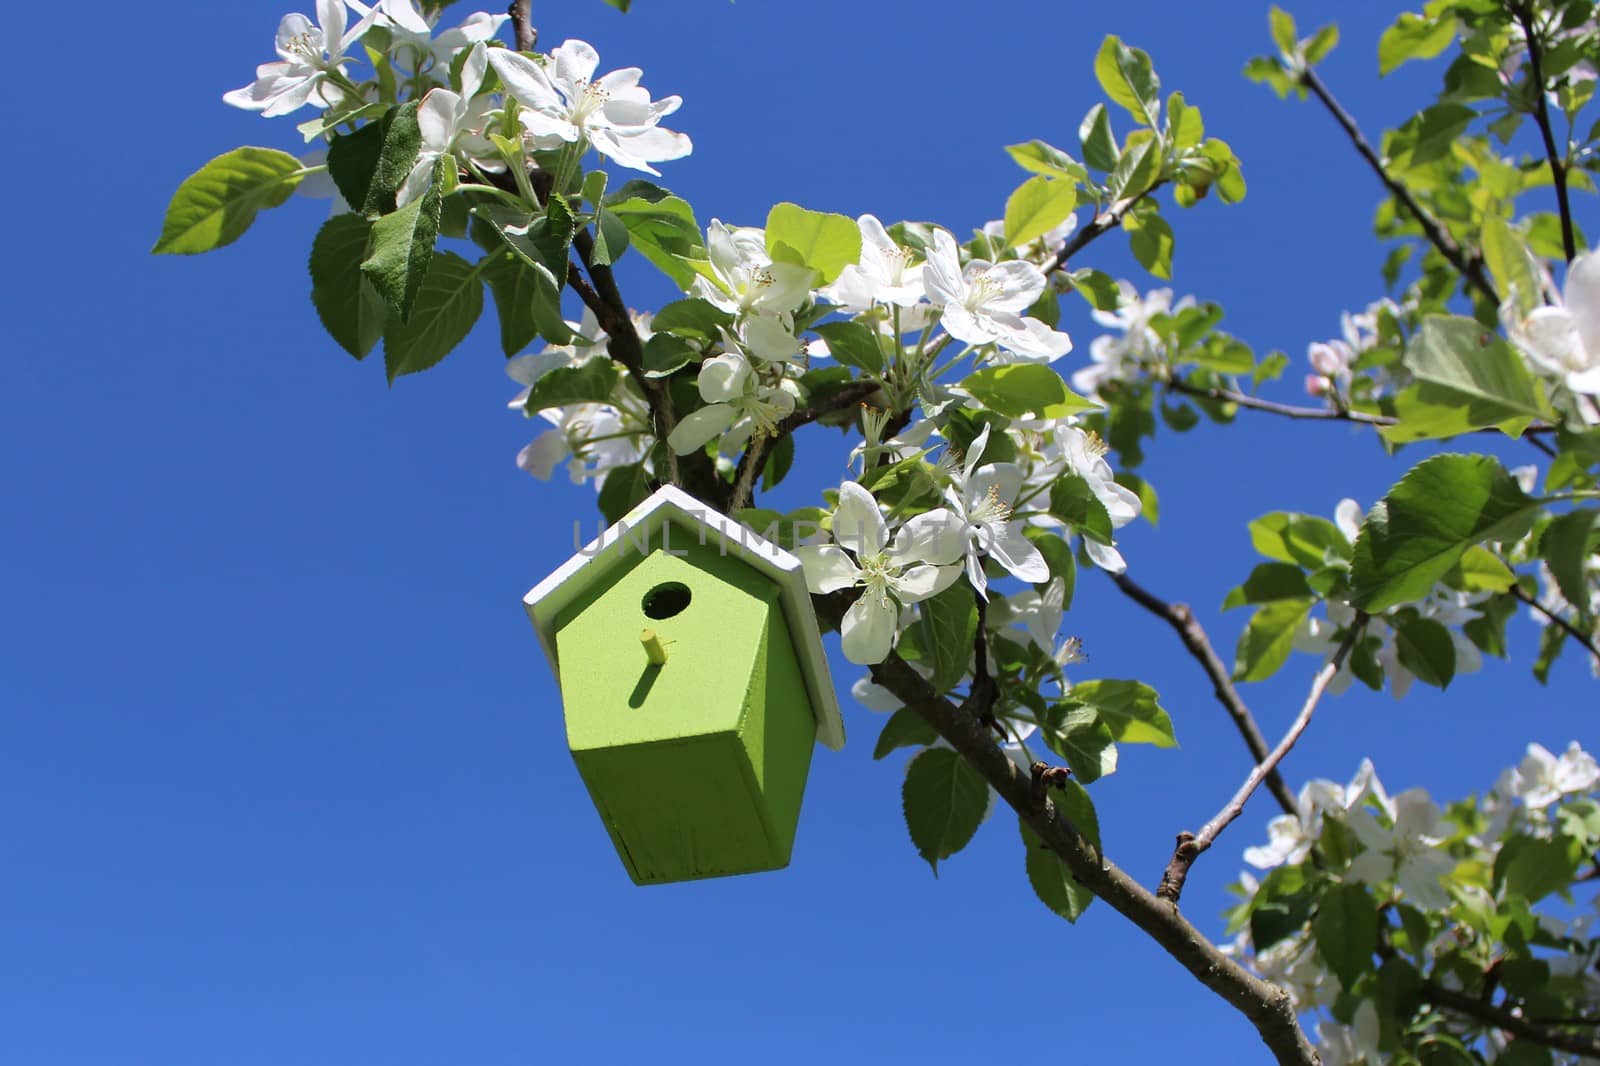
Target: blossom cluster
<point x="1433" y="864"/>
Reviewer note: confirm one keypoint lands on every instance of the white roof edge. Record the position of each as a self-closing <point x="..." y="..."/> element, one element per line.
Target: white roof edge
<point x="593" y="562"/>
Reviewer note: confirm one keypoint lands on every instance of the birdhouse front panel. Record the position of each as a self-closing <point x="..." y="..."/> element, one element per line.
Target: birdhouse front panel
<point x="686" y="711"/>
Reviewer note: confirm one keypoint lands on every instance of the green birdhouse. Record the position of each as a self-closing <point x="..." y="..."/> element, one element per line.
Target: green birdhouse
<point x="694" y="686"/>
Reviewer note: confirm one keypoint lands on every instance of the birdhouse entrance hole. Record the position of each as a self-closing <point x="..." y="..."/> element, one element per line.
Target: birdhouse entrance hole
<point x="666" y="600"/>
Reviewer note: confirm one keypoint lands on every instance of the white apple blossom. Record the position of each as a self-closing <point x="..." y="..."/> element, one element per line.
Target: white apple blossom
<point x="593" y="438"/>
<point x="983" y="303"/>
<point x="1085" y="455"/>
<point x="885" y="274"/>
<point x="309" y="56"/>
<point x="1039" y="613"/>
<point x="922" y="560"/>
<point x="747" y="280"/>
<point x="449" y="120"/>
<point x="740" y="402"/>
<point x="1126" y="357"/>
<point x="983" y="498"/>
<point x="1403" y="847"/>
<point x="1355" y="1044"/>
<point x="562" y="104"/>
<point x="1541" y="778"/>
<point x="1564" y="339"/>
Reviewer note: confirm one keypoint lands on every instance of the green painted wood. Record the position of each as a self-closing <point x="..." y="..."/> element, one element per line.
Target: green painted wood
<point x="697" y="766"/>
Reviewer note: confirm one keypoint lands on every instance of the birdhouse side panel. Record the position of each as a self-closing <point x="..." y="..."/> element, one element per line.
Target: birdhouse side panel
<point x="778" y="731"/>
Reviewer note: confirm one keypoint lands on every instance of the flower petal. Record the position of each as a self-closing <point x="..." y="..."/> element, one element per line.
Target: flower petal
<point x="828" y="568"/>
<point x="857" y="523"/>
<point x="867" y="631"/>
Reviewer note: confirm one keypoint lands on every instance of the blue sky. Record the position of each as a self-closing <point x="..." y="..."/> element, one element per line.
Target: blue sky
<point x="282" y="773"/>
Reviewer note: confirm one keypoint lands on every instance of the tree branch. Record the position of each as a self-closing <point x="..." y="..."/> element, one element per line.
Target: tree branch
<point x="1107" y="220"/>
<point x="1541" y="115"/>
<point x="1571" y="630"/>
<point x="1191" y="845"/>
<point x="1268" y="1007"/>
<point x="1504" y="1019"/>
<point x="521" y="12"/>
<point x="1470" y="266"/>
<point x="1189" y="630"/>
<point x="1327" y="414"/>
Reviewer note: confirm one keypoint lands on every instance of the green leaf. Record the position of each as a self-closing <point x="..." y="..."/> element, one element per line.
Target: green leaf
<point x="1414" y="37"/>
<point x="1533" y="868"/>
<point x="1099" y="146"/>
<point x="402" y="248"/>
<point x="1038" y="206"/>
<point x="1463" y="367"/>
<point x="446" y="308"/>
<point x="1281" y="23"/>
<point x="1052" y="882"/>
<point x="1073" y="801"/>
<point x="1058" y="556"/>
<point x="352" y="157"/>
<point x="1425" y="648"/>
<point x="1137" y="170"/>
<point x="527" y="301"/>
<point x="216" y="204"/>
<point x="1268" y="583"/>
<point x="351" y="310"/>
<point x="1017" y="389"/>
<point x="1322" y="42"/>
<point x="904" y="729"/>
<point x="1040" y="158"/>
<point x="1098" y="288"/>
<point x="1073" y="731"/>
<point x="1510" y="264"/>
<point x="624" y="489"/>
<point x="663" y="228"/>
<point x="944" y="801"/>
<point x="1268" y="638"/>
<point x="1127" y="78"/>
<point x="852" y="344"/>
<point x="1565" y="546"/>
<point x="1305" y="540"/>
<point x="592" y="381"/>
<point x="1421" y="529"/>
<point x="1130" y="709"/>
<point x="825" y="243"/>
<point x="694" y="319"/>
<point x="1151" y="240"/>
<point x="1480" y="570"/>
<point x="1185" y="129"/>
<point x="1346" y="928"/>
<point x="948" y="624"/>
<point x="1073" y="501"/>
<point x="402" y="143"/>
<point x="664" y="354"/>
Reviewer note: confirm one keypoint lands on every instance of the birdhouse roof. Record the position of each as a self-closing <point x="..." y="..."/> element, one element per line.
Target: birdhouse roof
<point x="608" y="553"/>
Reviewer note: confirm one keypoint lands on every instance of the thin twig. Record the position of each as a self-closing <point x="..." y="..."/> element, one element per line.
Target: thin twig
<point x="1510" y="1022"/>
<point x="1470" y="266"/>
<point x="1541" y="115"/>
<point x="1193" y="635"/>
<point x="1191" y="846"/>
<point x="1571" y="630"/>
<point x="521" y="12"/>
<point x="750" y="465"/>
<point x="1327" y="414"/>
<point x="1107" y="220"/>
